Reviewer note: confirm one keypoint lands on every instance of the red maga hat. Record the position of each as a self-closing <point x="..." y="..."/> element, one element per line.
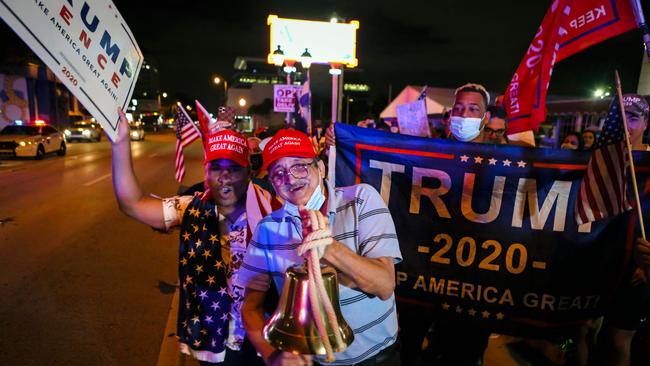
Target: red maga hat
<point x="287" y="143"/>
<point x="227" y="144"/>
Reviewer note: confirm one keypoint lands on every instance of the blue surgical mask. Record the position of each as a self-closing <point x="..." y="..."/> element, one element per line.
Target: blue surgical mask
<point x="316" y="200"/>
<point x="465" y="128"/>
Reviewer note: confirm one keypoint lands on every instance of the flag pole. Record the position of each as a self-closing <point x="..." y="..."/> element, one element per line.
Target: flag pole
<point x="640" y="21"/>
<point x="629" y="152"/>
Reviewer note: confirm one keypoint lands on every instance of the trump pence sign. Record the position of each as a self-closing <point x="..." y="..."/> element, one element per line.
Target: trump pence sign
<point x="88" y="46"/>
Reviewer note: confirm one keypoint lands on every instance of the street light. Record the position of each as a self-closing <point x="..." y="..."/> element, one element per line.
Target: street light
<point x="217" y="81"/>
<point x="164" y="95"/>
<point x="278" y="57"/>
<point x="242" y="102"/>
<point x="305" y="59"/>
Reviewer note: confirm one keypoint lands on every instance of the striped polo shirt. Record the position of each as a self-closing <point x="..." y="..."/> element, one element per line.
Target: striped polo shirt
<point x="360" y="220"/>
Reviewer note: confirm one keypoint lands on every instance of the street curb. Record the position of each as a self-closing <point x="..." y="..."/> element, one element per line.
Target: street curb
<point x="169" y="354"/>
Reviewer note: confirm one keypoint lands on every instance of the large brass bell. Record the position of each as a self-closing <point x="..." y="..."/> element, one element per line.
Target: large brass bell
<point x="292" y="327"/>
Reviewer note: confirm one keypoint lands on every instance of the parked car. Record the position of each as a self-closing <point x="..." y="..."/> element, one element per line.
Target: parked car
<point x="85" y="130"/>
<point x="31" y="141"/>
<point x="136" y="132"/>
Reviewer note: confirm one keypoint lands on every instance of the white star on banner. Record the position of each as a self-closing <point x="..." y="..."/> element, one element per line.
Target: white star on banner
<point x="492" y="161"/>
<point x="478" y="159"/>
<point x="506" y="162"/>
<point x="521" y="164"/>
<point x="464" y="158"/>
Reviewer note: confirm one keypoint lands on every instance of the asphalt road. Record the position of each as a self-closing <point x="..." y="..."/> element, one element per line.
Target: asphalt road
<point x="81" y="283"/>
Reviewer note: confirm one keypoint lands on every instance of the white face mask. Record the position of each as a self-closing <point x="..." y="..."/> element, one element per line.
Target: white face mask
<point x="316" y="200"/>
<point x="465" y="128"/>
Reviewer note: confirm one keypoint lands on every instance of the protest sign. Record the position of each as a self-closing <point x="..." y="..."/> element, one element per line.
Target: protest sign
<point x="87" y="45"/>
<point x="488" y="233"/>
<point x="412" y="119"/>
<point x="284" y="97"/>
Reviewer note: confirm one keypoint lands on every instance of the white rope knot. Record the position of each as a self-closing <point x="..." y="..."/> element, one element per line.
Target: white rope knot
<point x="317" y="239"/>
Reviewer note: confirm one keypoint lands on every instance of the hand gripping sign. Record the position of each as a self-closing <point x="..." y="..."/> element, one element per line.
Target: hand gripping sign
<point x="87" y="45"/>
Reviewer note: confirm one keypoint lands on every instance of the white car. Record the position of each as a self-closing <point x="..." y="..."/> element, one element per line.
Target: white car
<point x="31" y="141"/>
<point x="83" y="131"/>
<point x="136" y="132"/>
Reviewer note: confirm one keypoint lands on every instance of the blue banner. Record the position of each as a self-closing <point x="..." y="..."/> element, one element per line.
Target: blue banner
<point x="488" y="232"/>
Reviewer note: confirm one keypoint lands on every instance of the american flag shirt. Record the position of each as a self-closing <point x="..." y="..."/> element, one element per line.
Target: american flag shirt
<point x="211" y="250"/>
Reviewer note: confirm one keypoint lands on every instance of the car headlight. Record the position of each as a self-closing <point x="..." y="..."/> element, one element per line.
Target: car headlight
<point x="22" y="143"/>
<point x="86" y="133"/>
<point x="67" y="132"/>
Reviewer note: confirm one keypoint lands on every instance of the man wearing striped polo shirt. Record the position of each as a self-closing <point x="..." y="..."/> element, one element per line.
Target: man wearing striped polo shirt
<point x="363" y="249"/>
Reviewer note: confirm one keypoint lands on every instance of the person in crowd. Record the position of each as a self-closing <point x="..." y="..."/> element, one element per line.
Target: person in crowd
<point x="572" y="141"/>
<point x="494" y="131"/>
<point x="588" y="139"/>
<point x="214" y="232"/>
<point x="469" y="114"/>
<point x="363" y="248"/>
<point x="631" y="303"/>
<point x="454" y="343"/>
<point x="636" y="113"/>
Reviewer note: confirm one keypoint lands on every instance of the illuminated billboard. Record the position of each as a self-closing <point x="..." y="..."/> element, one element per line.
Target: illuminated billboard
<point x="327" y="42"/>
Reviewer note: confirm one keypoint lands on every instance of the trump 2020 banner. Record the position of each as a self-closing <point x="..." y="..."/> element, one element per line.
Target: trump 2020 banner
<point x="488" y="233"/>
<point x="88" y="46"/>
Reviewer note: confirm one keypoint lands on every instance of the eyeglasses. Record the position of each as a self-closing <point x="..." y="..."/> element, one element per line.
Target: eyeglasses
<point x="298" y="171"/>
<point x="498" y="132"/>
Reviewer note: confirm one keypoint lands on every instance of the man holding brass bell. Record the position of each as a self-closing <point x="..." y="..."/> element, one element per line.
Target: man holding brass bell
<point x="351" y="230"/>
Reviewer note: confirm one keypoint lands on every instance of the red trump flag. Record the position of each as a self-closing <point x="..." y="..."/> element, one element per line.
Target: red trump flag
<point x="569" y="27"/>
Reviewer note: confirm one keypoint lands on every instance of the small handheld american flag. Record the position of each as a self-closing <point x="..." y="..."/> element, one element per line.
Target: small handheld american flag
<point x="603" y="191"/>
<point x="186" y="133"/>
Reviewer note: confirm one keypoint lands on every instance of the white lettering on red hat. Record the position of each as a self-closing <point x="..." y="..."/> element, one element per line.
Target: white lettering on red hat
<point x="227" y="146"/>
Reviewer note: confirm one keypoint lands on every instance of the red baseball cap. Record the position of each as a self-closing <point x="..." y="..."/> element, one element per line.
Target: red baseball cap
<point x="227" y="144"/>
<point x="287" y="143"/>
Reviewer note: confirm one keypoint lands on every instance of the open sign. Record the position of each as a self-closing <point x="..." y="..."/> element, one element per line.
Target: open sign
<point x="284" y="97"/>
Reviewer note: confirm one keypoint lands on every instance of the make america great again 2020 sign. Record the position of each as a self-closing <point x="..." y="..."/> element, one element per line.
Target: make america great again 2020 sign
<point x="87" y="45"/>
<point x="488" y="233"/>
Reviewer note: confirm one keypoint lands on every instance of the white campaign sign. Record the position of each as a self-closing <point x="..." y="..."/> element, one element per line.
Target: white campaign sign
<point x="412" y="119"/>
<point x="284" y="97"/>
<point x="87" y="45"/>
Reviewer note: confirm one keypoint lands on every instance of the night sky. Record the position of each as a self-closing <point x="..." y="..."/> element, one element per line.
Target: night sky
<point x="442" y="43"/>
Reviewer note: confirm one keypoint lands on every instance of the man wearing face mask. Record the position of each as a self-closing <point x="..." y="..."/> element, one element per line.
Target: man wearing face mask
<point x="215" y="228"/>
<point x="362" y="245"/>
<point x="469" y="114"/>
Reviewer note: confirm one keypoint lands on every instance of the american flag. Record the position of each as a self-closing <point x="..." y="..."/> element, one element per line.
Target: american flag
<point x="603" y="191"/>
<point x="423" y="96"/>
<point x="305" y="102"/>
<point x="186" y="133"/>
<point x="423" y="93"/>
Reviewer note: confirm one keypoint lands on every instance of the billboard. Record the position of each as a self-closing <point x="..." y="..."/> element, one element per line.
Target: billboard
<point x="327" y="42"/>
